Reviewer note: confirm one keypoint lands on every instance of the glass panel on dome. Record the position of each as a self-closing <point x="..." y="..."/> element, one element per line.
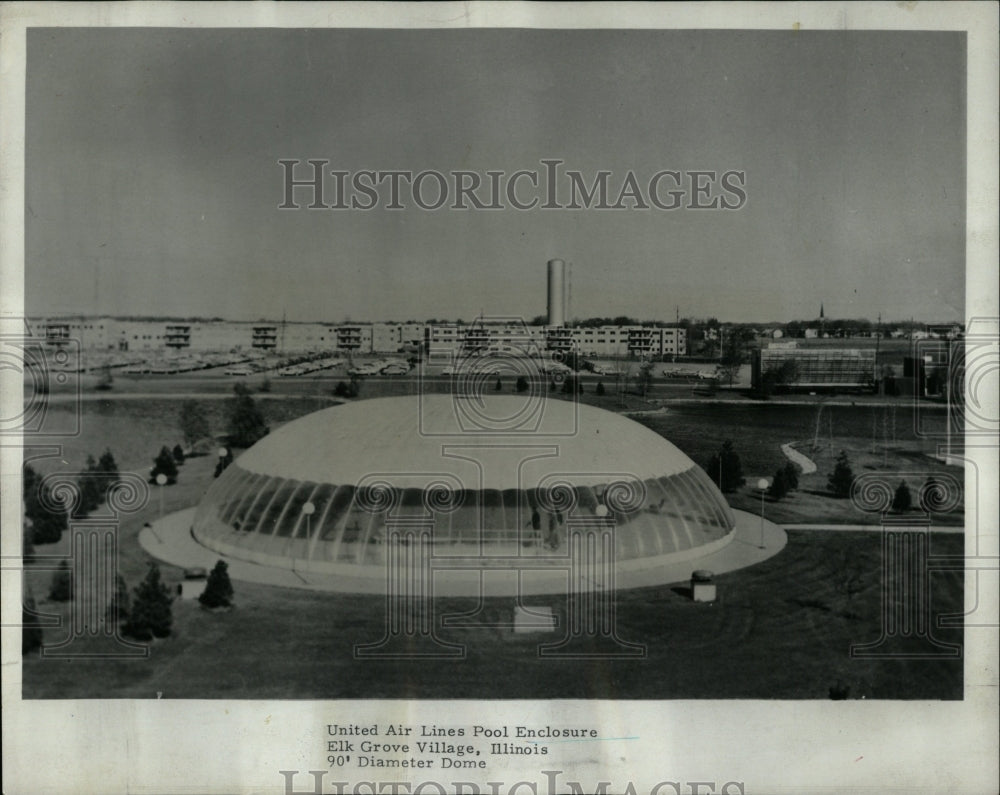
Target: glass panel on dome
<point x="321" y="501"/>
<point x="514" y="503"/>
<point x="691" y="510"/>
<point x="333" y="520"/>
<point x="265" y="494"/>
<point x="229" y="498"/>
<point x="221" y="495"/>
<point x="355" y="532"/>
<point x="676" y="509"/>
<point x="225" y="487"/>
<point x="493" y="515"/>
<point x="714" y="497"/>
<point x="238" y="519"/>
<point x="706" y="497"/>
<point x="273" y="510"/>
<point x="411" y="503"/>
<point x="292" y="521"/>
<point x="465" y="520"/>
<point x="443" y="532"/>
<point x="586" y="500"/>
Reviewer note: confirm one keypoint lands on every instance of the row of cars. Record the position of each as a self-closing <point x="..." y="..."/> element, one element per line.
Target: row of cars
<point x="381" y="367"/>
<point x="305" y="368"/>
<point x="185" y="364"/>
<point x="501" y="367"/>
<point x="701" y="375"/>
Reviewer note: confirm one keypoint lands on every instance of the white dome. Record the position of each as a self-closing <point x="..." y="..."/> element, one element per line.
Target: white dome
<point x="500" y="473"/>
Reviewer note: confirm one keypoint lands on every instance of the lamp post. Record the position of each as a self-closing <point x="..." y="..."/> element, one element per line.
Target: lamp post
<point x="161" y="481"/>
<point x="762" y="484"/>
<point x="307" y="510"/>
<point x="223" y="453"/>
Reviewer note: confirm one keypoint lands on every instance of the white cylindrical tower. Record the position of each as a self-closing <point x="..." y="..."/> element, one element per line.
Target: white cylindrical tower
<point x="557" y="292"/>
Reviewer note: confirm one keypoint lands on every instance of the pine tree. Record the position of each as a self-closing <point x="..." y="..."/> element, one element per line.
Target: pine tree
<point x="600" y="388"/>
<point x="31" y="631"/>
<point x="521" y="384"/>
<point x="218" y="590"/>
<point x="108" y="467"/>
<point x="499" y="386"/>
<point x="246" y="423"/>
<point x="902" y="500"/>
<point x="841" y="479"/>
<point x="791" y="472"/>
<point x="779" y="485"/>
<point x="726" y="469"/>
<point x="119" y="606"/>
<point x="178" y="452"/>
<point x="164" y="464"/>
<point x="345" y="390"/>
<point x="47" y="525"/>
<point x="194" y="423"/>
<point x="89" y="484"/>
<point x="150" y="615"/>
<point x="27" y="543"/>
<point x="61" y="589"/>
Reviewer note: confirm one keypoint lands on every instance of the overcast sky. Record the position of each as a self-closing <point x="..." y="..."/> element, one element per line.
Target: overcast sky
<point x="153" y="182"/>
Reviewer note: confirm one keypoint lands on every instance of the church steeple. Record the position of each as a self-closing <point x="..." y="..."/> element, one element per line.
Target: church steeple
<point x="821" y="316"/>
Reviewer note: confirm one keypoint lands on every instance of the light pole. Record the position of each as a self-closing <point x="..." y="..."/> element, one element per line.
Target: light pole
<point x="762" y="484"/>
<point x="161" y="481"/>
<point x="307" y="510"/>
<point x="223" y="453"/>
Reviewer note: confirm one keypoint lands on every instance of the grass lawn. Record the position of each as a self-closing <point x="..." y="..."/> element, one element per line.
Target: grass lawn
<point x="759" y="430"/>
<point x="778" y="630"/>
<point x="781" y="629"/>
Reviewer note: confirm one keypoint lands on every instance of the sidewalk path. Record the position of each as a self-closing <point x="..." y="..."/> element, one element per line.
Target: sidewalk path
<point x="866" y="528"/>
<point x="805" y="464"/>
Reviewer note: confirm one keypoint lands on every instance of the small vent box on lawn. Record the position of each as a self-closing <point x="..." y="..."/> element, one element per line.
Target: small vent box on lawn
<point x="702" y="586"/>
<point x="533" y="619"/>
<point x="191" y="589"/>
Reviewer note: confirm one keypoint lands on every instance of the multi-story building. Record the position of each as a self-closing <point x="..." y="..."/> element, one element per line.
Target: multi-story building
<point x="202" y="336"/>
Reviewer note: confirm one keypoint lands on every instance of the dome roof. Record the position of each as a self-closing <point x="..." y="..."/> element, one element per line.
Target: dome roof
<point x="496" y="475"/>
<point x="492" y="443"/>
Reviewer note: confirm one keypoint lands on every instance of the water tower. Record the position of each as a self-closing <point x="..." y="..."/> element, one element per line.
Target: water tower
<point x="557" y="292"/>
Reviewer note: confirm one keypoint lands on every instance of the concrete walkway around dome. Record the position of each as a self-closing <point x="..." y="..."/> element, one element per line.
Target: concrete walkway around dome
<point x="170" y="540"/>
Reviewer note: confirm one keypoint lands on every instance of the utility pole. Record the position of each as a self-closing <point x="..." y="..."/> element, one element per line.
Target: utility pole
<point x="878" y="339"/>
<point x="677" y="331"/>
